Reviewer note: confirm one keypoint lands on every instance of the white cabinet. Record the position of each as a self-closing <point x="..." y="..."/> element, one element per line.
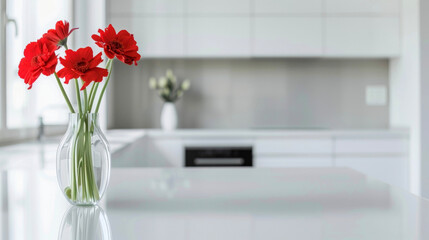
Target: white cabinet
<point x="293" y="152"/>
<point x="287" y="6"/>
<point x="288" y="161"/>
<point x="347" y="146"/>
<point x="287" y="36"/>
<point x="392" y="170"/>
<point x="218" y="7"/>
<point x="218" y="37"/>
<point x="261" y="28"/>
<point x="382" y="158"/>
<point x="363" y="6"/>
<point x="362" y="36"/>
<point x="293" y="146"/>
<point x="156" y="36"/>
<point x="150" y="7"/>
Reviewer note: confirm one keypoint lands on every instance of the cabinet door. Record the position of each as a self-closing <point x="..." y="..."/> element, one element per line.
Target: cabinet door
<point x="150" y="7"/>
<point x="210" y="7"/>
<point x="287" y="6"/>
<point x="287" y="161"/>
<point x="156" y="36"/>
<point x="218" y="37"/>
<point x="303" y="146"/>
<point x="370" y="146"/>
<point x="287" y="36"/>
<point x="362" y="36"/>
<point x="363" y="6"/>
<point x="392" y="170"/>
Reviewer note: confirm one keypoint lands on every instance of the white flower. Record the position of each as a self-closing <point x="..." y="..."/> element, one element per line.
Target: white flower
<point x="162" y="83"/>
<point x="186" y="84"/>
<point x="170" y="76"/>
<point x="165" y="91"/>
<point x="169" y="73"/>
<point x="152" y="83"/>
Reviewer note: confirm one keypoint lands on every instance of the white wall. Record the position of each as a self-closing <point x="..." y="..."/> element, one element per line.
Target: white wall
<point x="409" y="85"/>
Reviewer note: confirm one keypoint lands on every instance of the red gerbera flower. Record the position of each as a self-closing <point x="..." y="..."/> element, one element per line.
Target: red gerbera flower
<point x="59" y="35"/>
<point x="39" y="57"/>
<point x="83" y="64"/>
<point x="122" y="45"/>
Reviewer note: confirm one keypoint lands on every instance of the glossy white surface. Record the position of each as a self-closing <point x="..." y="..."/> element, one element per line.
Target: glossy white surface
<point x="215" y="203"/>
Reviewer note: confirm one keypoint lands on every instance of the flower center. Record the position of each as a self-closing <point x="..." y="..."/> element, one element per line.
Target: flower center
<point x="115" y="45"/>
<point x="82" y="66"/>
<point x="36" y="60"/>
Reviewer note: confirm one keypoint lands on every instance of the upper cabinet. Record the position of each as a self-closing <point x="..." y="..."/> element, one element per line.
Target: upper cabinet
<point x="219" y="7"/>
<point x="362" y="36"/>
<point x="287" y="36"/>
<point x="261" y="28"/>
<point x="157" y="37"/>
<point x="287" y="6"/>
<point x="133" y="8"/>
<point x="218" y="37"/>
<point x="362" y="6"/>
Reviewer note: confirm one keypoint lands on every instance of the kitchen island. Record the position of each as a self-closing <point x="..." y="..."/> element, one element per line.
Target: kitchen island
<point x="215" y="203"/>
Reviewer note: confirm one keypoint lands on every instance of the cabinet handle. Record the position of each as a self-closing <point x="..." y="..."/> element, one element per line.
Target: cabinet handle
<point x="13" y="21"/>
<point x="220" y="161"/>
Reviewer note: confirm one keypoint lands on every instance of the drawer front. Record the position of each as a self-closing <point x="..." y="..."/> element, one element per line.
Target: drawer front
<point x="392" y="170"/>
<point x="280" y="161"/>
<point x="368" y="146"/>
<point x="293" y="146"/>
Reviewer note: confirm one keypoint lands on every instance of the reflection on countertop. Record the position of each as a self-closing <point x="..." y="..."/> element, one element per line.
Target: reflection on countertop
<point x="159" y="203"/>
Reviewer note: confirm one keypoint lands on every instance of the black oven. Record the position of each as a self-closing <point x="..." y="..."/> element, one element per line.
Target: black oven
<point x="218" y="157"/>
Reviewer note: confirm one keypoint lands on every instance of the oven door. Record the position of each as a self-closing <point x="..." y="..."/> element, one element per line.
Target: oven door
<point x="218" y="157"/>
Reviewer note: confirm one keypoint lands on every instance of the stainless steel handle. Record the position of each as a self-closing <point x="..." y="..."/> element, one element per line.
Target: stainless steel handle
<point x="11" y="20"/>
<point x="219" y="161"/>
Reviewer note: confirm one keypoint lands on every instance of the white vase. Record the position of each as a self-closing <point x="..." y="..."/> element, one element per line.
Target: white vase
<point x="169" y="116"/>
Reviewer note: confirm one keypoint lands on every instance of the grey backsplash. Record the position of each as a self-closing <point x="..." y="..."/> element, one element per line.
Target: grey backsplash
<point x="253" y="93"/>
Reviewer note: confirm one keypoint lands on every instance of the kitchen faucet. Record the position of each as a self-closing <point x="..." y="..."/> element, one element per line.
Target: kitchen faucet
<point x="41" y="129"/>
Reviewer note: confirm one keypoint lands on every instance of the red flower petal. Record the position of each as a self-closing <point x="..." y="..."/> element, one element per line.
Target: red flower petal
<point x="83" y="64"/>
<point x="58" y="36"/>
<point x="39" y="57"/>
<point x="120" y="45"/>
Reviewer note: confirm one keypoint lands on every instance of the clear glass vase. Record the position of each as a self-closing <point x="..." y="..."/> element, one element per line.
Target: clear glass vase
<point x="83" y="160"/>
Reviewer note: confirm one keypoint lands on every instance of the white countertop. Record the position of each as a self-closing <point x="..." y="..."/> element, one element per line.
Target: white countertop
<point x="120" y="140"/>
<point x="238" y="204"/>
<point x="245" y="133"/>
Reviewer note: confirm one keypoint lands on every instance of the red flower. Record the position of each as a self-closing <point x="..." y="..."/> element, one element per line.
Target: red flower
<point x="122" y="45"/>
<point x="83" y="64"/>
<point x="39" y="57"/>
<point x="59" y="35"/>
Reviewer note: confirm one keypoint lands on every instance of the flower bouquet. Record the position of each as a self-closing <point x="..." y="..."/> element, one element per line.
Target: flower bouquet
<point x="169" y="91"/>
<point x="83" y="157"/>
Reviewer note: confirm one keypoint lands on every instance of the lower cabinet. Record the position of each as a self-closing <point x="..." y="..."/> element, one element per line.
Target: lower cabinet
<point x="392" y="170"/>
<point x="288" y="161"/>
<point x="384" y="158"/>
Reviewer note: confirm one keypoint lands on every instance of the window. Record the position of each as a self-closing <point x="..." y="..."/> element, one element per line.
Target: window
<point x="27" y="20"/>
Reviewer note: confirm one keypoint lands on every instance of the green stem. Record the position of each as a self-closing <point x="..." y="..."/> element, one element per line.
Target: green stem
<point x="85" y="99"/>
<point x="79" y="103"/>
<point x="64" y="93"/>
<point x="92" y="97"/>
<point x="105" y="85"/>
